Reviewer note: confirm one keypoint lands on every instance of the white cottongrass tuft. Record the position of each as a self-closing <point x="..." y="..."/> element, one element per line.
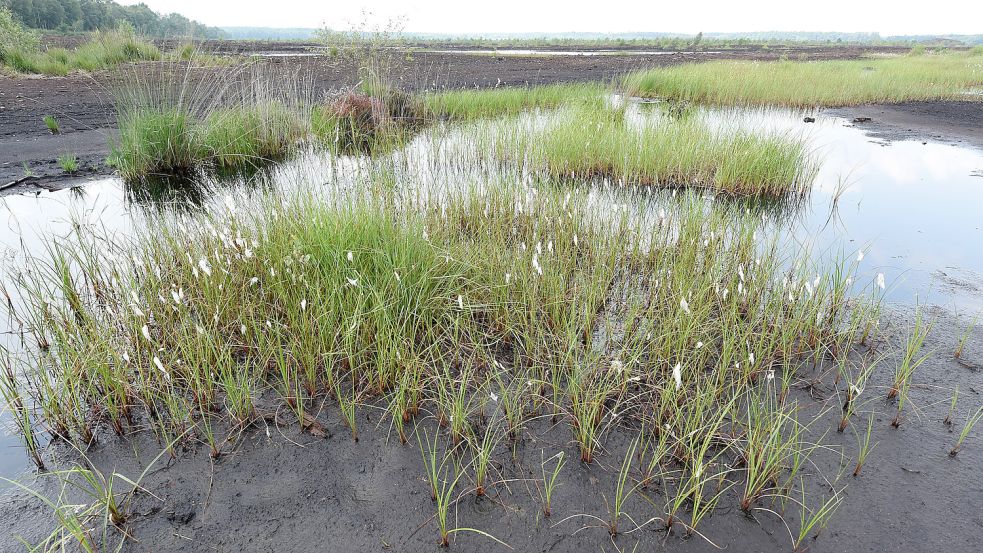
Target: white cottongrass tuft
<point x="880" y="280"/>
<point x="160" y="366"/>
<point x="146" y="332"/>
<point x="677" y="375"/>
<point x="685" y="305"/>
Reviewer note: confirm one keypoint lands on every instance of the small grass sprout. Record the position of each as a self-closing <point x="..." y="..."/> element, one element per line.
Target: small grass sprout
<point x="69" y="163"/>
<point x="52" y="124"/>
<point x="961" y="345"/>
<point x="864" y="447"/>
<point x="551" y="480"/>
<point x="967" y="428"/>
<point x="952" y="407"/>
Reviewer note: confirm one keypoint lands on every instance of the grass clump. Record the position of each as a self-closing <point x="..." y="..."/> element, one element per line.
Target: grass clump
<point x="497" y="102"/>
<point x="813" y="83"/>
<point x="264" y="130"/>
<point x="176" y="121"/>
<point x="599" y="142"/>
<point x="354" y="121"/>
<point x="69" y="163"/>
<point x="155" y="141"/>
<point x="52" y="124"/>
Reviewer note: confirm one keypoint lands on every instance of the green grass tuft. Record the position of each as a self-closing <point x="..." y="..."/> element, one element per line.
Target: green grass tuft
<point x="52" y="124"/>
<point x="69" y="163"/>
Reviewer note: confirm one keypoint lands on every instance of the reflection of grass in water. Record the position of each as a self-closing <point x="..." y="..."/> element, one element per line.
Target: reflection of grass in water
<point x="814" y="83"/>
<point x="192" y="191"/>
<point x="439" y="305"/>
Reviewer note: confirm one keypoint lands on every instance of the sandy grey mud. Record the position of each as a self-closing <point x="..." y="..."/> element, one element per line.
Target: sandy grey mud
<point x="276" y="489"/>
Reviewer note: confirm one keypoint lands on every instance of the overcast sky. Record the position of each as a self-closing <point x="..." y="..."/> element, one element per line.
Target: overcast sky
<point x="888" y="17"/>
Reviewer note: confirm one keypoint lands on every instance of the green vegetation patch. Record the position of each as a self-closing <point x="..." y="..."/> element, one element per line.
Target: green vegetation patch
<point x="593" y="140"/>
<point x="104" y="50"/>
<point x="925" y="76"/>
<point x="497" y="102"/>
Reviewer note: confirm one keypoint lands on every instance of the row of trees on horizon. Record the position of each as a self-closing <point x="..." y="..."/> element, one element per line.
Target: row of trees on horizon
<point x="93" y="15"/>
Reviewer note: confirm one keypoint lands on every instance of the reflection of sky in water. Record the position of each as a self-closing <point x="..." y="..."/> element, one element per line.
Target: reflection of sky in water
<point x="915" y="209"/>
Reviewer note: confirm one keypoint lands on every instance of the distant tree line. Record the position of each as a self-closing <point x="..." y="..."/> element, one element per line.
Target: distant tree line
<point x="93" y="15"/>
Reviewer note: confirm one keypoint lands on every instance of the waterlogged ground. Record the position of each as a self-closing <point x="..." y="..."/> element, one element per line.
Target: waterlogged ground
<point x="914" y="209"/>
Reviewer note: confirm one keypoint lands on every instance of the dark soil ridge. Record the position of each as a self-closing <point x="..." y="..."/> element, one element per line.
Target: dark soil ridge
<point x="279" y="490"/>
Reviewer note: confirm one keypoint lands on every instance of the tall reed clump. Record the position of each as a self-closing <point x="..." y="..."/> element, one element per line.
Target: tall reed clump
<point x="810" y="84"/>
<point x="688" y="324"/>
<point x="596" y="141"/>
<point x="175" y="120"/>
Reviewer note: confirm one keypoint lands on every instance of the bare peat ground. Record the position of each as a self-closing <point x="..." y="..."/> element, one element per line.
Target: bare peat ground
<point x="279" y="490"/>
<point x="83" y="104"/>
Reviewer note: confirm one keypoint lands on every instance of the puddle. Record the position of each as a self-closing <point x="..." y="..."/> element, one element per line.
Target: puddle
<point x="916" y="210"/>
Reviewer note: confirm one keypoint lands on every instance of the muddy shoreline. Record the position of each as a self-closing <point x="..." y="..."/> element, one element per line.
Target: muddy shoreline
<point x="276" y="489"/>
<point x="948" y="122"/>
